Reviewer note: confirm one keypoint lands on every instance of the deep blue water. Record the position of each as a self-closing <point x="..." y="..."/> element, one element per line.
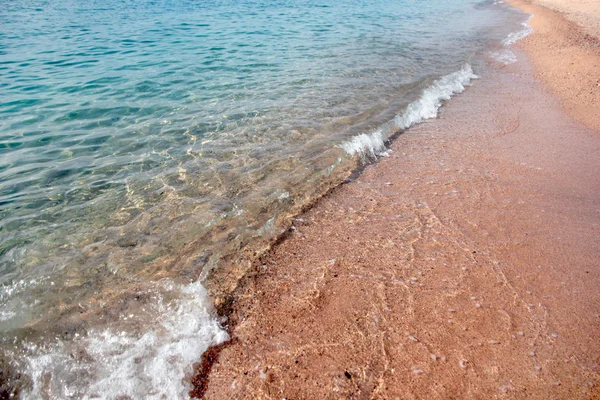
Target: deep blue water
<point x="148" y="140"/>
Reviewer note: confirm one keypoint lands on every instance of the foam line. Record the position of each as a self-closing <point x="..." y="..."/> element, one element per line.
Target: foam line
<point x="371" y="145"/>
<point x="108" y="364"/>
<point x="516" y="36"/>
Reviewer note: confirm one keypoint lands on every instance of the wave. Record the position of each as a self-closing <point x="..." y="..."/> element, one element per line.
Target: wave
<point x="112" y="364"/>
<point x="516" y="36"/>
<point x="505" y="56"/>
<point x="372" y="145"/>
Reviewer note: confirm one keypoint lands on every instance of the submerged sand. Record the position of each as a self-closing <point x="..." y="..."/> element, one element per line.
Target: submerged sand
<point x="464" y="265"/>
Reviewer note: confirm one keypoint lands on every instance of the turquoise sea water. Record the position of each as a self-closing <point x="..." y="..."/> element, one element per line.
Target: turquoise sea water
<point x="144" y="142"/>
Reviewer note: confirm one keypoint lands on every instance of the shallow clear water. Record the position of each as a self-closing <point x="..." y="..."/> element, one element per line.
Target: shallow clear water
<point x="142" y="143"/>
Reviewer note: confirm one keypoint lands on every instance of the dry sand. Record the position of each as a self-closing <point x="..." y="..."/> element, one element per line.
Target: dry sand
<point x="464" y="265"/>
<point x="566" y="58"/>
<point x="585" y="13"/>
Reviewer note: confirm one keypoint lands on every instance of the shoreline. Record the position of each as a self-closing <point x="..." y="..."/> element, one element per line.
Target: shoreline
<point x="248" y="321"/>
<point x="584" y="13"/>
<point x="565" y="57"/>
<point x="367" y="149"/>
<point x="137" y="249"/>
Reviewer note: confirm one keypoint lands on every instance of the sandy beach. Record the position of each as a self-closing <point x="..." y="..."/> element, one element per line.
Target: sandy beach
<point x="565" y="52"/>
<point x="463" y="265"/>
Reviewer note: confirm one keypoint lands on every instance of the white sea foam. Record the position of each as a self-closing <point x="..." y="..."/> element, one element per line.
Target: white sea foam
<point x="505" y="56"/>
<point x="429" y="103"/>
<point x="366" y="145"/>
<point x="108" y="364"/>
<point x="372" y="145"/>
<point x="8" y="290"/>
<point x="10" y="303"/>
<point x="516" y="36"/>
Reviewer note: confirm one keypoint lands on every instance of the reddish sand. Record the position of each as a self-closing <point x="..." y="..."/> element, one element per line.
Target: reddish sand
<point x="465" y="265"/>
<point x="585" y="13"/>
<point x="566" y="58"/>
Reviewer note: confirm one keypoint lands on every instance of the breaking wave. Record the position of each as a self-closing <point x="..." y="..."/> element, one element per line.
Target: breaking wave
<point x="516" y="36"/>
<point x="505" y="55"/>
<point x="371" y="145"/>
<point x="155" y="364"/>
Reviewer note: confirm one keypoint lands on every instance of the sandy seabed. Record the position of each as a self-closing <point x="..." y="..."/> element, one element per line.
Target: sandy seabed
<point x="464" y="265"/>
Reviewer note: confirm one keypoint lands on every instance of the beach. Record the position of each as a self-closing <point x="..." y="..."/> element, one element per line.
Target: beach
<point x="565" y="54"/>
<point x="151" y="152"/>
<point x="274" y="199"/>
<point x="464" y="264"/>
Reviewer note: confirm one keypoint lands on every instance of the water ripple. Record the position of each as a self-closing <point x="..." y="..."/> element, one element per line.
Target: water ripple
<point x="143" y="140"/>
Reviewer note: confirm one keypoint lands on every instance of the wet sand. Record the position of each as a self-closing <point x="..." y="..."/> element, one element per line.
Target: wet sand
<point x="585" y="13"/>
<point x="566" y="54"/>
<point x="464" y="265"/>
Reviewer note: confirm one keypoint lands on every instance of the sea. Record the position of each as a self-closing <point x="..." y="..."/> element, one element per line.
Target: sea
<point x="146" y="145"/>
